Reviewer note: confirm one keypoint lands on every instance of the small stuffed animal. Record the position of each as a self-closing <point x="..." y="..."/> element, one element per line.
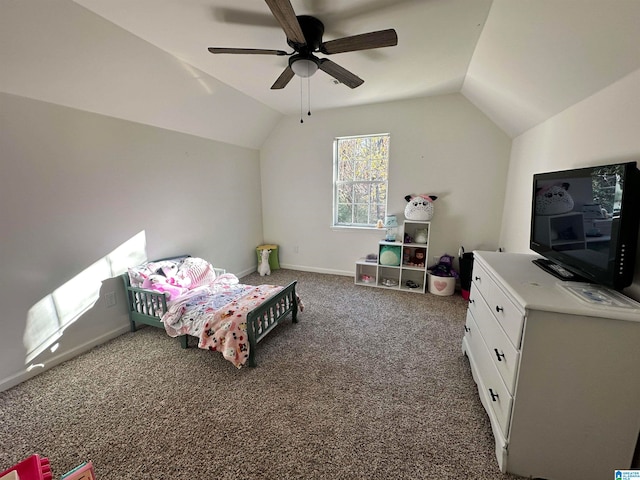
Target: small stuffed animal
<point x="444" y="268"/>
<point x="390" y="256"/>
<point x="264" y="268"/>
<point x="160" y="284"/>
<point x="553" y="199"/>
<point x="421" y="235"/>
<point x="420" y="207"/>
<point x="418" y="259"/>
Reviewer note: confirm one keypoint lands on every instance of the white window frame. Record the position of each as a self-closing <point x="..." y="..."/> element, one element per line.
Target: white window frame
<point x="337" y="183"/>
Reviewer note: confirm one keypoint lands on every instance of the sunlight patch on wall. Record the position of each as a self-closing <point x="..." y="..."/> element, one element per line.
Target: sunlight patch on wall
<point x="48" y="318"/>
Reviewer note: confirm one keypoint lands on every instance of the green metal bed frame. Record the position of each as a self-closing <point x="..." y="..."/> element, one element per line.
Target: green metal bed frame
<point x="148" y="306"/>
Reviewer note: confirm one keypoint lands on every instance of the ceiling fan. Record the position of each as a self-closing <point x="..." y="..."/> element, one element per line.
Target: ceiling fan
<point x="304" y="35"/>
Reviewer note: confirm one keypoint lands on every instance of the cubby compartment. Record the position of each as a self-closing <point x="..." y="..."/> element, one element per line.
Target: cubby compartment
<point x="412" y="280"/>
<point x="366" y="273"/>
<point x="388" y="277"/>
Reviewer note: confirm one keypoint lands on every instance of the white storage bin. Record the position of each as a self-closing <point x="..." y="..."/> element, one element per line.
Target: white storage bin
<point x="443" y="286"/>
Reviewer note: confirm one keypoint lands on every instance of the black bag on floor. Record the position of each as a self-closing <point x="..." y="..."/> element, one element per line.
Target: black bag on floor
<point x="466" y="267"/>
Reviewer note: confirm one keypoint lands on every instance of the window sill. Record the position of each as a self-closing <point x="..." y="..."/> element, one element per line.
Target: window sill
<point x="340" y="228"/>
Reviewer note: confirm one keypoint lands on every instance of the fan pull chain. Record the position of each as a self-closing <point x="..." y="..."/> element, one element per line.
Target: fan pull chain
<point x="301" y="121"/>
<point x="309" y="95"/>
<point x="302" y="98"/>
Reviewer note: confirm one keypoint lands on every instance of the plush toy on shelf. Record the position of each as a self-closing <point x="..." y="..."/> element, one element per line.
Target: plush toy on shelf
<point x="419" y="207"/>
<point x="390" y="256"/>
<point x="421" y="235"/>
<point x="418" y="259"/>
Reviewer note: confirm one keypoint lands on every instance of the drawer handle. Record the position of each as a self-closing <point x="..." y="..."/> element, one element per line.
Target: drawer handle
<point x="499" y="309"/>
<point x="467" y="329"/>
<point x="494" y="396"/>
<point x="499" y="355"/>
<point x="471" y="300"/>
<point x="477" y="278"/>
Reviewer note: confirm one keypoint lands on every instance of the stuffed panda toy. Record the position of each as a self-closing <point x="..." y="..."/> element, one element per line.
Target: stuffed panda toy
<point x="553" y="199"/>
<point x="419" y="207"/>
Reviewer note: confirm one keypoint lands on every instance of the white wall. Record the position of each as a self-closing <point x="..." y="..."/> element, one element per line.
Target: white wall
<point x="603" y="128"/>
<point x="60" y="52"/>
<point x="439" y="145"/>
<point x="76" y="185"/>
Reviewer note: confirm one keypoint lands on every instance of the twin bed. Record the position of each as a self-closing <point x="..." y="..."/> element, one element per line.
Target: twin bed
<point x="187" y="296"/>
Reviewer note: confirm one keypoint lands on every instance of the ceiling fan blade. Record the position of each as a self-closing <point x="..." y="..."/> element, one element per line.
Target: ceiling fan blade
<point x="339" y="73"/>
<point x="256" y="51"/>
<point x="364" y="41"/>
<point x="283" y="79"/>
<point x="286" y="17"/>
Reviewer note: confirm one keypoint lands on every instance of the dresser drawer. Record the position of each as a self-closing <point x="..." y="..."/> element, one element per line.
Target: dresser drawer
<point x="492" y="388"/>
<point x="509" y="316"/>
<point x="503" y="353"/>
<point x="481" y="280"/>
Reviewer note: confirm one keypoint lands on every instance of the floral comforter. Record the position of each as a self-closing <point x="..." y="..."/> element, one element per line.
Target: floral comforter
<point x="217" y="315"/>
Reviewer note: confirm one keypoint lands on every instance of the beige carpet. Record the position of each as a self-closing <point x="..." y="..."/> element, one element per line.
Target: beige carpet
<point x="370" y="384"/>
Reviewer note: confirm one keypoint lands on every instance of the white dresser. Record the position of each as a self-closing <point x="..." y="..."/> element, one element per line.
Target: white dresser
<point x="558" y="375"/>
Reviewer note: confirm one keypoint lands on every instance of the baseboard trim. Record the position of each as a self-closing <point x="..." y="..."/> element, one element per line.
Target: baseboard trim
<point x="246" y="272"/>
<point x="304" y="268"/>
<point x="12" y="381"/>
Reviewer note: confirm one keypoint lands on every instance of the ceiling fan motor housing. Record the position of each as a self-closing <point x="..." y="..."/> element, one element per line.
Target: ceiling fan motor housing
<point x="312" y="29"/>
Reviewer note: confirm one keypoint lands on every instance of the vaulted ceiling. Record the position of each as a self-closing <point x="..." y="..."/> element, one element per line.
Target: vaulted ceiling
<point x="520" y="62"/>
<point x="435" y="44"/>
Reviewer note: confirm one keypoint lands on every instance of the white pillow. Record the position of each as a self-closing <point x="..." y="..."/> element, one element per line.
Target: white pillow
<point x="195" y="272"/>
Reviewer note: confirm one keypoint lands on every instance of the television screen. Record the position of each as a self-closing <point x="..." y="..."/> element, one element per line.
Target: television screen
<point x="586" y="221"/>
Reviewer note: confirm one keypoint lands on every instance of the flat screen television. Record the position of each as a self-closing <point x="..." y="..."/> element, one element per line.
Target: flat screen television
<point x="585" y="223"/>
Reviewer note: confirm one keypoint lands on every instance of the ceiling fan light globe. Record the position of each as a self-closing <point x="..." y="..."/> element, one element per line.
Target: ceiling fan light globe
<point x="304" y="68"/>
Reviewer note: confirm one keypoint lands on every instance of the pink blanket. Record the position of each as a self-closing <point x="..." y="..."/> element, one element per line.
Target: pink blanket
<point x="226" y="329"/>
<point x="217" y="316"/>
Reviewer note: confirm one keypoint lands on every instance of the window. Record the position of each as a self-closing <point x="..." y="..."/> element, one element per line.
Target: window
<point x="361" y="166"/>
